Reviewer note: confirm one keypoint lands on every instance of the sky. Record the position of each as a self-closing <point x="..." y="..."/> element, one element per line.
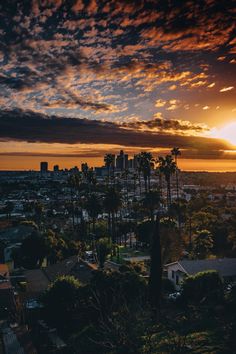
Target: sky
<point x="81" y="78"/>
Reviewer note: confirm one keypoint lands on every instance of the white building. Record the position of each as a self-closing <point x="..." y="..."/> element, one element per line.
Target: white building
<point x="177" y="271"/>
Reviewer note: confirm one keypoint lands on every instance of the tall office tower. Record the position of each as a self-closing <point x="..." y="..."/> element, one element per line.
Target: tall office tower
<point x="119" y="160"/>
<point x="43" y="167"/>
<point x="56" y="168"/>
<point x="126" y="161"/>
<point x="122" y="161"/>
<point x="130" y="163"/>
<point x="135" y="162"/>
<point x="113" y="160"/>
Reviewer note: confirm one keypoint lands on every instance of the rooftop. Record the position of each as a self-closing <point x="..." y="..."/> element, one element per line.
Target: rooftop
<point x="225" y="266"/>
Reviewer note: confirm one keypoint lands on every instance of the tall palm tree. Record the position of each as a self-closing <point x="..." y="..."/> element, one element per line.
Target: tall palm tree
<point x="93" y="207"/>
<point x="91" y="179"/>
<point x="151" y="202"/>
<point x="112" y="203"/>
<point x="134" y="178"/>
<point x="155" y="275"/>
<point x="167" y="166"/>
<point x="125" y="175"/>
<point x="176" y="152"/>
<point x="74" y="182"/>
<point x="139" y="177"/>
<point x="145" y="162"/>
<point x="109" y="161"/>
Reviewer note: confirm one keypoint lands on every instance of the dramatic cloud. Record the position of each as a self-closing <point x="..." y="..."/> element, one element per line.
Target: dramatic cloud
<point x="39" y="128"/>
<point x="119" y="62"/>
<point x="170" y="126"/>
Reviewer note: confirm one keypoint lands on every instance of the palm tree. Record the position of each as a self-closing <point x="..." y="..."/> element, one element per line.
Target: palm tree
<point x="176" y="152"/>
<point x="93" y="207"/>
<point x="134" y="178"/>
<point x="145" y="162"/>
<point x="74" y="181"/>
<point x="139" y="177"/>
<point x="112" y="203"/>
<point x="167" y="166"/>
<point x="151" y="202"/>
<point x="109" y="161"/>
<point x="155" y="277"/>
<point x="125" y="175"/>
<point x="91" y="178"/>
<point x="159" y="176"/>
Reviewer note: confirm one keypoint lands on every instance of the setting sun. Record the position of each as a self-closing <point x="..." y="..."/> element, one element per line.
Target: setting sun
<point x="228" y="132"/>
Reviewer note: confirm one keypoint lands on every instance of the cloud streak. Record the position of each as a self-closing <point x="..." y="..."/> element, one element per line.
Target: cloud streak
<point x="123" y="66"/>
<point x="40" y="128"/>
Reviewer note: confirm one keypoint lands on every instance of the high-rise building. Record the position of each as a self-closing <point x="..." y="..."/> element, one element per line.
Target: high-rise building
<point x="135" y="163"/>
<point x="56" y="168"/>
<point x="44" y="166"/>
<point x="122" y="161"/>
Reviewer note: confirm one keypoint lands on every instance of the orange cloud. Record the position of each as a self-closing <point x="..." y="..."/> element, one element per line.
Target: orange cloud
<point x="225" y="89"/>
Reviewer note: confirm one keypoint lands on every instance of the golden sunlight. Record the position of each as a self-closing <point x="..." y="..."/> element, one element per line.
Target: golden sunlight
<point x="227" y="132"/>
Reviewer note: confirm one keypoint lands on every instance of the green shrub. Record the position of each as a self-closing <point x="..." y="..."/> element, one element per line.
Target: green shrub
<point x="203" y="287"/>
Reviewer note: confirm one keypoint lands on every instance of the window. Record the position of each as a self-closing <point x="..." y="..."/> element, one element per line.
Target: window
<point x="177" y="280"/>
<point x="173" y="274"/>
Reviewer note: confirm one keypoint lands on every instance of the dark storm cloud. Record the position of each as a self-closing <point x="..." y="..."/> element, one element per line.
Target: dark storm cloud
<point x="35" y="127"/>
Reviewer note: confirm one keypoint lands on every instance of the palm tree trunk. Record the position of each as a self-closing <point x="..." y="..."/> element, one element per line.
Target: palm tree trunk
<point x="160" y="184"/>
<point x="127" y="191"/>
<point x="113" y="227"/>
<point x="108" y="175"/>
<point x="155" y="278"/>
<point x="139" y="181"/>
<point x="134" y="186"/>
<point x="177" y="185"/>
<point x="109" y="225"/>
<point x="145" y="184"/>
<point x="113" y="173"/>
<point x="93" y="225"/>
<point x="190" y="234"/>
<point x="168" y="193"/>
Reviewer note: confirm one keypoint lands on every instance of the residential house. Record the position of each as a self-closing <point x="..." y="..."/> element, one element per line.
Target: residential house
<point x="7" y="302"/>
<point x="177" y="271"/>
<point x="39" y="279"/>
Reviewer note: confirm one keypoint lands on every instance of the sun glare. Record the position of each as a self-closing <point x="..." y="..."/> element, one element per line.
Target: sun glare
<point x="227" y="132"/>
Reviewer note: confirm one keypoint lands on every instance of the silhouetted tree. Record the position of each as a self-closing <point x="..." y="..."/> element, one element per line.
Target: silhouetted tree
<point x="103" y="247"/>
<point x="155" y="278"/>
<point x="145" y="163"/>
<point x="112" y="203"/>
<point x="167" y="166"/>
<point x="109" y="163"/>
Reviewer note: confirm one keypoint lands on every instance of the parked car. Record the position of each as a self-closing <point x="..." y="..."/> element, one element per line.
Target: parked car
<point x="173" y="297"/>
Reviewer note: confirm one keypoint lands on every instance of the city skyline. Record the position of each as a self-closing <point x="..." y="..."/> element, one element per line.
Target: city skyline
<point x="80" y="79"/>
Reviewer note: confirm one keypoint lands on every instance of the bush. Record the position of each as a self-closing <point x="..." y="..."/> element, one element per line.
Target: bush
<point x="61" y="299"/>
<point x="204" y="287"/>
<point x="167" y="286"/>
